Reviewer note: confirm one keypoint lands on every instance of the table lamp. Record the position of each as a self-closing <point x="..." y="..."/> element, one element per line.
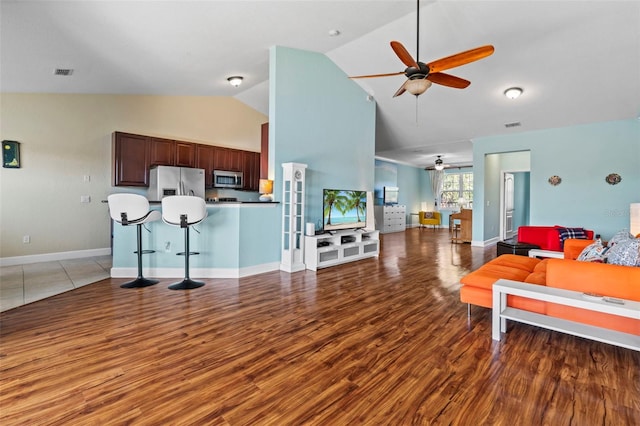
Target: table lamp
<point x="265" y="188"/>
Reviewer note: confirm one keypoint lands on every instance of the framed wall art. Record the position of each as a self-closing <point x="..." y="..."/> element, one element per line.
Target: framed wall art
<point x="11" y="154"/>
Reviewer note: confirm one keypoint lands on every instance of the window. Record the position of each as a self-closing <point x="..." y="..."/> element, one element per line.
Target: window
<point x="456" y="186"/>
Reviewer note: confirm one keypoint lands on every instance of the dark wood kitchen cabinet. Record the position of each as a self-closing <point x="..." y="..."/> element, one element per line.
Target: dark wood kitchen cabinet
<point x="167" y="152"/>
<point x="251" y="170"/>
<point x="228" y="159"/>
<point x="130" y="159"/>
<point x="133" y="156"/>
<point x="185" y="154"/>
<point x="205" y="156"/>
<point x="162" y="152"/>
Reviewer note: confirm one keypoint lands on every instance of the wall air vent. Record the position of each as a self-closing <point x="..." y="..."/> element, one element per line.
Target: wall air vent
<point x="63" y="71"/>
<point x="514" y="124"/>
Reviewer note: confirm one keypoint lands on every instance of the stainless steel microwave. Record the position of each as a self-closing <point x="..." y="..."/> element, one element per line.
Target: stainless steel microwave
<point x="226" y="179"/>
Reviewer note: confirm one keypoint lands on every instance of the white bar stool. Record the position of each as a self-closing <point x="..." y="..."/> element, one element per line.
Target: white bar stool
<point x="184" y="211"/>
<point x="133" y="209"/>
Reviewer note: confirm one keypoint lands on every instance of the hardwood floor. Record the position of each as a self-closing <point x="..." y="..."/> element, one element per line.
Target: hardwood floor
<point x="378" y="342"/>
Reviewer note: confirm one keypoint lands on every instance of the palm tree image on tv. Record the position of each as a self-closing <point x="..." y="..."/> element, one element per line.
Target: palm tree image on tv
<point x="344" y="209"/>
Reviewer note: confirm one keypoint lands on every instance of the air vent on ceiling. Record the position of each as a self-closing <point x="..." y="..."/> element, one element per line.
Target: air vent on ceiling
<point x="63" y="71"/>
<point x="514" y="124"/>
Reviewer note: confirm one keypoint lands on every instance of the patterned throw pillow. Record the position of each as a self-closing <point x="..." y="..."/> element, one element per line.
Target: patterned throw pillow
<point x="565" y="233"/>
<point x="595" y="252"/>
<point x="428" y="215"/>
<point x="619" y="237"/>
<point x="625" y="253"/>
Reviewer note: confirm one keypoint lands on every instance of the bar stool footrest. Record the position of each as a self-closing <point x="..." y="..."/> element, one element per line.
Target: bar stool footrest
<point x="191" y="253"/>
<point x="145" y="251"/>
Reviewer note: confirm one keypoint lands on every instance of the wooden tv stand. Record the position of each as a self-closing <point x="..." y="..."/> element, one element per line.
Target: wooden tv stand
<point x="324" y="250"/>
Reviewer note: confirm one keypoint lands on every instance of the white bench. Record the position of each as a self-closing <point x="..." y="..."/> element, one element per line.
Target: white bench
<point x="502" y="313"/>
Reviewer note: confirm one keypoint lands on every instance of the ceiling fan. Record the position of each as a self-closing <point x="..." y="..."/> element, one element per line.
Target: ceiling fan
<point x="438" y="164"/>
<point x="420" y="75"/>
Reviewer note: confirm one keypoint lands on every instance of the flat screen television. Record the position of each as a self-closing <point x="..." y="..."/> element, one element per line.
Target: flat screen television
<point x="390" y="195"/>
<point x="343" y="209"/>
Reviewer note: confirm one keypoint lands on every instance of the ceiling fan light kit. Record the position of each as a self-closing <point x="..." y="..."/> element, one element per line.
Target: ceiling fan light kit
<point x="439" y="164"/>
<point x="513" y="92"/>
<point x="235" y="80"/>
<point x="417" y="86"/>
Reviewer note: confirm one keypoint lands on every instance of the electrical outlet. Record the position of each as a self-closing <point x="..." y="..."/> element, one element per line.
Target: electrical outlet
<point x="86" y="178"/>
<point x="26" y="239"/>
<point x="85" y="199"/>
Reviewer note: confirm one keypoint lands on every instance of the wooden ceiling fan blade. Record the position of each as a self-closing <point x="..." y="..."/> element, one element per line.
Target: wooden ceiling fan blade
<point x="401" y="90"/>
<point x="404" y="55"/>
<point x="448" y="80"/>
<point x="460" y="58"/>
<point x="377" y="75"/>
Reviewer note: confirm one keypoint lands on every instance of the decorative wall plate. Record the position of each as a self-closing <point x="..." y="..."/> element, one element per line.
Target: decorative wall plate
<point x="555" y="180"/>
<point x="613" y="179"/>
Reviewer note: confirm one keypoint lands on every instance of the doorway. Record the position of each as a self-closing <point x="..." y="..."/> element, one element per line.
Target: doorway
<point x="514" y="202"/>
<point x="507" y="211"/>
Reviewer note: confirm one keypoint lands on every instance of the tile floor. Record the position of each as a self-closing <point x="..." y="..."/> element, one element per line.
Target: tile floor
<point x="22" y="284"/>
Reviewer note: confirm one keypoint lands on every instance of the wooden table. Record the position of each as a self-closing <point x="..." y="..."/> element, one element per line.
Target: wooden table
<point x="465" y="218"/>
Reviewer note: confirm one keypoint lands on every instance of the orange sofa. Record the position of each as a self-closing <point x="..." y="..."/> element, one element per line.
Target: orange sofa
<point x="622" y="282"/>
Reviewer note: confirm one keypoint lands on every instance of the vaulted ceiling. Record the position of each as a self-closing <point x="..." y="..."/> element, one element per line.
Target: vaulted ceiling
<point x="577" y="61"/>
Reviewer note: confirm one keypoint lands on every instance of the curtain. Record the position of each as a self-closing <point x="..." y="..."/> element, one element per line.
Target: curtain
<point x="437" y="177"/>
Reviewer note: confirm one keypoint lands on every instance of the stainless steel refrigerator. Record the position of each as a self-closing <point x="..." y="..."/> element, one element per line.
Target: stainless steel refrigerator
<point x="168" y="180"/>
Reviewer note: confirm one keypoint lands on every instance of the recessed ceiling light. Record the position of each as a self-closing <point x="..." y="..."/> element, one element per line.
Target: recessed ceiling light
<point x="334" y="33"/>
<point x="513" y="92"/>
<point x="235" y="80"/>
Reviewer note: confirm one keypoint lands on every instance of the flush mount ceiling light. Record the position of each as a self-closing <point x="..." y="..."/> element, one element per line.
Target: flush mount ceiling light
<point x="513" y="92"/>
<point x="334" y="33"/>
<point x="235" y="80"/>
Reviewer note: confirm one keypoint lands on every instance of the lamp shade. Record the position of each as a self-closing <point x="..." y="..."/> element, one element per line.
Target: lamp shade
<point x="634" y="223"/>
<point x="265" y="186"/>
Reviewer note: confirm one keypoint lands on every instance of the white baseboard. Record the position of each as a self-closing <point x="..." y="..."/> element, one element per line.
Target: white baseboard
<point x="52" y="257"/>
<point x="195" y="272"/>
<point x="490" y="242"/>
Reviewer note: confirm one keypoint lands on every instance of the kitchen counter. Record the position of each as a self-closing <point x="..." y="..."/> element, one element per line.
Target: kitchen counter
<point x="236" y="239"/>
<point x="220" y="203"/>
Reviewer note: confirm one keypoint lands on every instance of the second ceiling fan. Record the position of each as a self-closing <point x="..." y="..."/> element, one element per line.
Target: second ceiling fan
<point x="420" y="75"/>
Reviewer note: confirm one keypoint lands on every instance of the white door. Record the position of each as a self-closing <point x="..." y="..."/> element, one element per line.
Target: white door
<point x="508" y="206"/>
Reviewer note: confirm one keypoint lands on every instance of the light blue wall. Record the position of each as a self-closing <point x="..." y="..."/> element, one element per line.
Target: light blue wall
<point x="319" y="117"/>
<point x="582" y="156"/>
<point x="413" y="183"/>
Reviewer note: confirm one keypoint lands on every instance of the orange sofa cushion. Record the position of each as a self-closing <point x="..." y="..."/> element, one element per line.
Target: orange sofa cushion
<point x="573" y="247"/>
<point x="477" y="285"/>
